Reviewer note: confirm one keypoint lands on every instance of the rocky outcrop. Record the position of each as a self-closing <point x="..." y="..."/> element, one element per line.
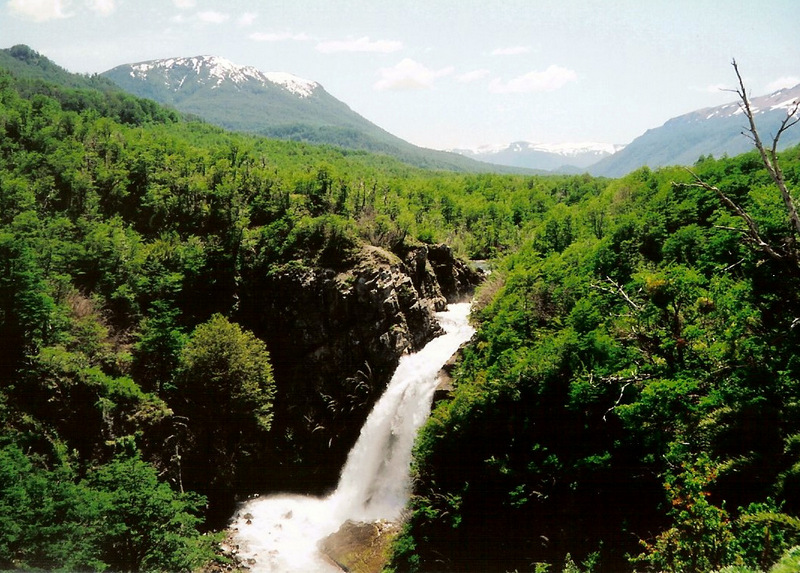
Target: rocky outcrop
<point x="360" y="547"/>
<point x="335" y="337"/>
<point x="444" y="381"/>
<point x="439" y="276"/>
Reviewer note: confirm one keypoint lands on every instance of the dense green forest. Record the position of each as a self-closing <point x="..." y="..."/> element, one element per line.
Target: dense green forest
<point x="134" y="403"/>
<point x="630" y="401"/>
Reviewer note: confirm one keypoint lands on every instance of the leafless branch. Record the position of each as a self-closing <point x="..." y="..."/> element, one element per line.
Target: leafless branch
<point x="791" y="119"/>
<point x="726" y="228"/>
<point x="770" y="157"/>
<point x="733" y="265"/>
<point x="752" y="231"/>
<point x="621" y="394"/>
<point x="617" y="289"/>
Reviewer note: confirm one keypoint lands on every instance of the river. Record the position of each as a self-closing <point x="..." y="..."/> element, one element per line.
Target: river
<point x="281" y="533"/>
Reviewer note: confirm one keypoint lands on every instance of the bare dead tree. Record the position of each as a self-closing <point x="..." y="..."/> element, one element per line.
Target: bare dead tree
<point x="752" y="234"/>
<point x="769" y="158"/>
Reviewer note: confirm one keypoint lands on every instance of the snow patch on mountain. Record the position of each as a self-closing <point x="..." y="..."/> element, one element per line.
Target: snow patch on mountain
<point x="560" y="157"/>
<point x="220" y="70"/>
<point x="785" y="99"/>
<point x="572" y="149"/>
<point x="563" y="149"/>
<point x="294" y="84"/>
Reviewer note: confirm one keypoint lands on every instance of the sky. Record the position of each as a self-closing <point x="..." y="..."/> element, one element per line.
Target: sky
<point x="452" y="73"/>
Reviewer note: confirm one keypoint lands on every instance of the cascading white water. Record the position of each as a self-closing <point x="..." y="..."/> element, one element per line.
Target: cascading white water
<point x="280" y="533"/>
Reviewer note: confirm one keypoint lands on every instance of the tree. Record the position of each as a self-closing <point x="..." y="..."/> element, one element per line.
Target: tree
<point x="158" y="349"/>
<point x="120" y="517"/>
<point x="225" y="389"/>
<point x="701" y="537"/>
<point x="786" y="249"/>
<point x="25" y="305"/>
<point x="149" y="526"/>
<point x="226" y="375"/>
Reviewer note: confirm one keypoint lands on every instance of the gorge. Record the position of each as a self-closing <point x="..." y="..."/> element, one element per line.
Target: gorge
<point x="335" y="336"/>
<point x="281" y="532"/>
<point x="190" y="317"/>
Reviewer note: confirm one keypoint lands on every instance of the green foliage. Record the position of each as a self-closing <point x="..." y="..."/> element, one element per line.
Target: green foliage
<point x="157" y="350"/>
<point x="119" y="518"/>
<point x="329" y="241"/>
<point x="224" y="388"/>
<point x="789" y="562"/>
<point x="25" y="304"/>
<point x="764" y="534"/>
<point x="226" y="374"/>
<point x="629" y="336"/>
<point x="46" y="519"/>
<point x="701" y="536"/>
<point x="626" y="332"/>
<point x="150" y="527"/>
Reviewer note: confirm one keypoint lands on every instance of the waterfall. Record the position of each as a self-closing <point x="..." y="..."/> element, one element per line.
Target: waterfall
<point x="280" y="533"/>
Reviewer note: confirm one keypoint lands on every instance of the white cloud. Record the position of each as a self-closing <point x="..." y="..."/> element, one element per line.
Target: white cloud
<point x="184" y="4"/>
<point x="549" y="80"/>
<point x="212" y="17"/>
<point x="780" y="83"/>
<point x="363" y="44"/>
<point x="511" y="51"/>
<point x="247" y="19"/>
<point x="409" y="75"/>
<point x="40" y="10"/>
<point x="103" y="7"/>
<point x="472" y="76"/>
<point x="278" y="36"/>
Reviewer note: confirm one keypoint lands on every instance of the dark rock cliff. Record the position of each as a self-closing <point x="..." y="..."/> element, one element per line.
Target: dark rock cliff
<point x="335" y="337"/>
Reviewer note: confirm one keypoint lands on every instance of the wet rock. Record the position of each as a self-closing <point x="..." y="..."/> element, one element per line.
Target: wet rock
<point x="360" y="547"/>
<point x="335" y="337"/>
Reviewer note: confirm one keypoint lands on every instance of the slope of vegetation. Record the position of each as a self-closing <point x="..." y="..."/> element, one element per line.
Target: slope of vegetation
<point x="133" y="403"/>
<point x="630" y="401"/>
<point x="631" y="398"/>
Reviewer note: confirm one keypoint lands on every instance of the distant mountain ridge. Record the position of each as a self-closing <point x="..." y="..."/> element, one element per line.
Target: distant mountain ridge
<point x="285" y="106"/>
<point x="682" y="140"/>
<point x="713" y="131"/>
<point x="274" y="104"/>
<point x="559" y="157"/>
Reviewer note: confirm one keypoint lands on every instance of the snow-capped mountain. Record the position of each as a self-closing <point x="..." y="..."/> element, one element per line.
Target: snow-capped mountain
<point x="781" y="100"/>
<point x="709" y="131"/>
<point x="565" y="157"/>
<point x="276" y="104"/>
<point x="215" y="71"/>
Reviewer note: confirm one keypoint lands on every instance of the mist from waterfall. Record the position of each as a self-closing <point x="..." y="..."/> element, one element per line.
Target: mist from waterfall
<point x="280" y="533"/>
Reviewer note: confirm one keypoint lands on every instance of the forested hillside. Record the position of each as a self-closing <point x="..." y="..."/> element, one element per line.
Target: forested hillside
<point x="630" y="401"/>
<point x="136" y="402"/>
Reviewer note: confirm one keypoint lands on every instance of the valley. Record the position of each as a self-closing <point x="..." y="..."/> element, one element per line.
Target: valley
<point x="204" y="326"/>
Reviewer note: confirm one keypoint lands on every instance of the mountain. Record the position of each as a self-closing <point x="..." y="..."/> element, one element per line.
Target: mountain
<point x="274" y="104"/>
<point x="710" y="131"/>
<point x="24" y="62"/>
<point x="33" y="74"/>
<point x="211" y="87"/>
<point x="562" y="157"/>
